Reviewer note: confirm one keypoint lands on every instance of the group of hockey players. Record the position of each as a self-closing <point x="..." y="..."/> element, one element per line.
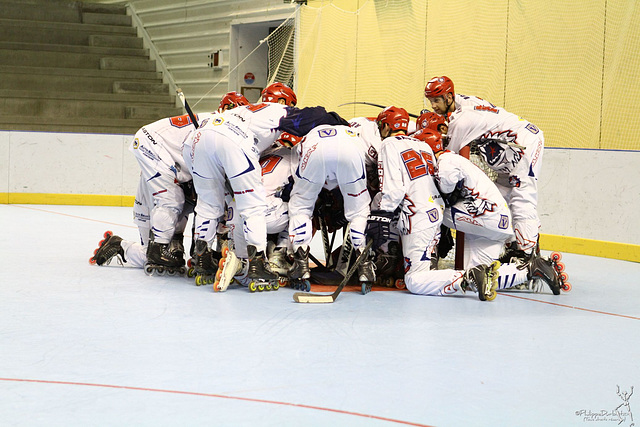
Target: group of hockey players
<point x="260" y="179"/>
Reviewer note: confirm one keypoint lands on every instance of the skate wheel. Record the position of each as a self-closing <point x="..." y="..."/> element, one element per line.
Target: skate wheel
<point x="566" y="286"/>
<point x="221" y="263"/>
<point x="190" y="272"/>
<point x="107" y="234"/>
<point x="555" y="256"/>
<point x="92" y="261"/>
<point x="148" y="270"/>
<point x="307" y="285"/>
<point x="218" y="274"/>
<point x="268" y="287"/>
<point x="261" y="287"/>
<point x="276" y="286"/>
<point x="95" y="251"/>
<point x="559" y="266"/>
<point x="199" y="280"/>
<point x="253" y="287"/>
<point x="491" y="296"/>
<point x="282" y="281"/>
<point x="225" y="251"/>
<point x="100" y="243"/>
<point x="366" y="287"/>
<point x="564" y="277"/>
<point x="216" y="286"/>
<point x="161" y="271"/>
<point x="400" y="284"/>
<point x="171" y="272"/>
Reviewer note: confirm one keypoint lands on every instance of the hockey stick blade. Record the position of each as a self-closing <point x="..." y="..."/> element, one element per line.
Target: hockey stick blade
<point x="186" y="106"/>
<point x="318" y="298"/>
<point x="415" y="116"/>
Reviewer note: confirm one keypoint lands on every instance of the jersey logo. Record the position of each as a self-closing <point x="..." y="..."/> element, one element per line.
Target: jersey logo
<point x="503" y="224"/>
<point x="485" y="108"/>
<point x="326" y="133"/>
<point x="351" y="133"/>
<point x="218" y="121"/>
<point x="433" y="215"/>
<point x="269" y="163"/>
<point x="181" y="121"/>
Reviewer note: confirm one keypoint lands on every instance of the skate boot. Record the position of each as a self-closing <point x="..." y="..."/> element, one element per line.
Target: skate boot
<point x="386" y="265"/>
<point x="482" y="279"/>
<point x="204" y="265"/>
<point x="279" y="262"/>
<point x="160" y="260"/>
<point x="550" y="271"/>
<point x="108" y="248"/>
<point x="260" y="272"/>
<point x="366" y="273"/>
<point x="229" y="266"/>
<point x="299" y="273"/>
<point x="512" y="254"/>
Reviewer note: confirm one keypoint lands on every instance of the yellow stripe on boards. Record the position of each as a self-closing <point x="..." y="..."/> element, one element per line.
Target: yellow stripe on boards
<point x="549" y="242"/>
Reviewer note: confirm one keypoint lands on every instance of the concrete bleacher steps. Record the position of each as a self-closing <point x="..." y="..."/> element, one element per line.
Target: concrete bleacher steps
<point x="69" y="66"/>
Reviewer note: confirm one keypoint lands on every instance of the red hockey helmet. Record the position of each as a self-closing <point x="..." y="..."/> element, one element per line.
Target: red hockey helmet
<point x="232" y="100"/>
<point x="288" y="140"/>
<point x="430" y="120"/>
<point x="397" y="118"/>
<point x="276" y="91"/>
<point x="438" y="86"/>
<point x="431" y="137"/>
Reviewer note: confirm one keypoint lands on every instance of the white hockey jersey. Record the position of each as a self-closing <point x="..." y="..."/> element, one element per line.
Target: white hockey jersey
<point x="369" y="140"/>
<point x="470" y="101"/>
<point x="406" y="167"/>
<point x="256" y="124"/>
<point x="467" y="124"/>
<point x="277" y="166"/>
<point x="479" y="192"/>
<point x="161" y="143"/>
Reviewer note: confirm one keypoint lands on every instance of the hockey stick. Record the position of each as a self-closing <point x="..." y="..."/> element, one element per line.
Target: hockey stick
<point x="374" y="105"/>
<point x="192" y="116"/>
<point x="318" y="298"/>
<point x="187" y="107"/>
<point x="344" y="256"/>
<point x="325" y="240"/>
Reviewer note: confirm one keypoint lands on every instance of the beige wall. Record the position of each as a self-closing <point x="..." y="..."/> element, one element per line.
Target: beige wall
<point x="570" y="67"/>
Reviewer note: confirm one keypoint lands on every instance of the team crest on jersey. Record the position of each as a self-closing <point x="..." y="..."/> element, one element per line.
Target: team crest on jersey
<point x="218" y="121"/>
<point x="351" y="133"/>
<point x="503" y="224"/>
<point x="500" y="149"/>
<point x="326" y="133"/>
<point x="136" y="143"/>
<point x="514" y="181"/>
<point x="433" y="215"/>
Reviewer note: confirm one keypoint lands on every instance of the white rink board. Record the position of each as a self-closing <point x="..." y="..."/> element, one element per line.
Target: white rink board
<point x="592" y="194"/>
<point x="68" y="163"/>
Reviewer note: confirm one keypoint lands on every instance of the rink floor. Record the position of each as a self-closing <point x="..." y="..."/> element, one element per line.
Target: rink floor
<point x="84" y="345"/>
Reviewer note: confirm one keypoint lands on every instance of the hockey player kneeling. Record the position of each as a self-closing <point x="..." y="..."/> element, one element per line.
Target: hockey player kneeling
<point x="475" y="206"/>
<point x="407" y="168"/>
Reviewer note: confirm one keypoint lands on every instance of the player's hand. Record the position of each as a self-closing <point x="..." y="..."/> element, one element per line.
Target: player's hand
<point x="379" y="227"/>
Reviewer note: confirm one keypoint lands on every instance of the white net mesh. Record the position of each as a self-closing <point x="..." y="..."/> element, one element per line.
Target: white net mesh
<point x="281" y="56"/>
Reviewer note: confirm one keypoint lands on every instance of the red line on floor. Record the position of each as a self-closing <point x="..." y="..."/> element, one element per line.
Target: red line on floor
<point x="220" y="396"/>
<point x="571" y="306"/>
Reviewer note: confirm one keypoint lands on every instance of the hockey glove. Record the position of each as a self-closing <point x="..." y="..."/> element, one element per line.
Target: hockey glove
<point x="455" y="196"/>
<point x="285" y="192"/>
<point x="378" y="227"/>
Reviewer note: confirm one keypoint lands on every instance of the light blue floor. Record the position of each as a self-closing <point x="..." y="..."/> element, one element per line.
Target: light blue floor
<point x="82" y="345"/>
